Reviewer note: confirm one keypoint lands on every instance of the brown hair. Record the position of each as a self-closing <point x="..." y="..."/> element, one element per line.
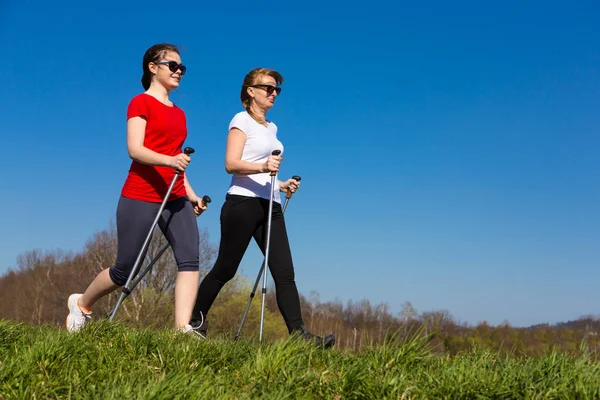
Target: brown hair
<point x="154" y="54"/>
<point x="252" y="79"/>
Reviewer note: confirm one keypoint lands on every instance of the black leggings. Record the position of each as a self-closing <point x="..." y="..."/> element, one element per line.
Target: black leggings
<point x="243" y="218"/>
<point x="134" y="220"/>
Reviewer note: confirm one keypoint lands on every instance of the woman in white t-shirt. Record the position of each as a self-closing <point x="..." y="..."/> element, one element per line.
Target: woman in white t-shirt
<point x="250" y="143"/>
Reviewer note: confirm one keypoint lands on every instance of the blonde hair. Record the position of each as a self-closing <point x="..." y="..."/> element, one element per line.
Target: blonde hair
<point x="251" y="79"/>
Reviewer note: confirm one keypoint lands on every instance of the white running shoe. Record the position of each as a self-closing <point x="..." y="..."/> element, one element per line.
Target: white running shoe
<point x="76" y="318"/>
<point x="189" y="330"/>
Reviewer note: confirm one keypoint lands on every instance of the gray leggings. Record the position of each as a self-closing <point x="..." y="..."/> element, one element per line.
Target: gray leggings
<point x="134" y="220"/>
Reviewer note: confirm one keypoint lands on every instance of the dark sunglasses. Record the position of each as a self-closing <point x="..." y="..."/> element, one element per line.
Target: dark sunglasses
<point x="269" y="88"/>
<point x="173" y="66"/>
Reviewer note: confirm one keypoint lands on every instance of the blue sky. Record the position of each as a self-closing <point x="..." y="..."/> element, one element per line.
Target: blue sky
<point x="449" y="151"/>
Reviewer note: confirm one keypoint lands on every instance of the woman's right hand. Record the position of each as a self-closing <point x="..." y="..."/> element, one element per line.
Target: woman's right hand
<point x="180" y="162"/>
<point x="272" y="164"/>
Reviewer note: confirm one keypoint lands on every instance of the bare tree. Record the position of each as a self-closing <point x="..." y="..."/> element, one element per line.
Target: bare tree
<point x="37" y="290"/>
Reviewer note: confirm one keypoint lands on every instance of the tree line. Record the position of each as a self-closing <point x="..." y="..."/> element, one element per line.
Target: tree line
<point x="35" y="292"/>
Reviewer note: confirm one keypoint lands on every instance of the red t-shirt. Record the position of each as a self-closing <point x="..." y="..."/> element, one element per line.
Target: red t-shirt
<point x="165" y="133"/>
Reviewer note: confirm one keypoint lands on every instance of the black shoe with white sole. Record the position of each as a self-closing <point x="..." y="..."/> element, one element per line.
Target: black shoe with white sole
<point x="322" y="342"/>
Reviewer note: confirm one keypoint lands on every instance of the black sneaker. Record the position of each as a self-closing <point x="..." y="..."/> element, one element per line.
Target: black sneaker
<point x="322" y="342"/>
<point x="200" y="326"/>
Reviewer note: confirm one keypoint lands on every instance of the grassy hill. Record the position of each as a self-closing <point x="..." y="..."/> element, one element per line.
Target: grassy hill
<point x="113" y="361"/>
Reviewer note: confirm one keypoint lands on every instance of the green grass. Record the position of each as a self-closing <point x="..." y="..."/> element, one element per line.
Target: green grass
<point x="112" y="361"/>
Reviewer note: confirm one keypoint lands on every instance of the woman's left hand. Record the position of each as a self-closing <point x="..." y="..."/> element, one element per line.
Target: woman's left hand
<point x="291" y="184"/>
<point x="198" y="204"/>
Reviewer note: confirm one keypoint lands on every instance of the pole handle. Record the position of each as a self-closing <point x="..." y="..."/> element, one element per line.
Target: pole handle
<point x="275" y="153"/>
<point x="288" y="194"/>
<point x="188" y="151"/>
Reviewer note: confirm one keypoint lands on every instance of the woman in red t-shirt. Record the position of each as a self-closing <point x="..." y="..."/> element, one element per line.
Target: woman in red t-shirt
<point x="156" y="131"/>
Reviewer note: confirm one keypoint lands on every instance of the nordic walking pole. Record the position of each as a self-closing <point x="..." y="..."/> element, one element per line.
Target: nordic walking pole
<point x="126" y="290"/>
<point x="269" y="217"/>
<point x="288" y="196"/>
<point x="141" y="275"/>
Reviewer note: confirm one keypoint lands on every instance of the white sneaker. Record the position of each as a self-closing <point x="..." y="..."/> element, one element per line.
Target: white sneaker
<point x="189" y="330"/>
<point x="76" y="318"/>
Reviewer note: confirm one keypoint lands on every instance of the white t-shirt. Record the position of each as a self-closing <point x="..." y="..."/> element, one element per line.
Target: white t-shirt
<point x="260" y="142"/>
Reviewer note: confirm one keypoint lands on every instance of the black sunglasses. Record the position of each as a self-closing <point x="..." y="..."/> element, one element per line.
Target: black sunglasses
<point x="173" y="66"/>
<point x="269" y="88"/>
